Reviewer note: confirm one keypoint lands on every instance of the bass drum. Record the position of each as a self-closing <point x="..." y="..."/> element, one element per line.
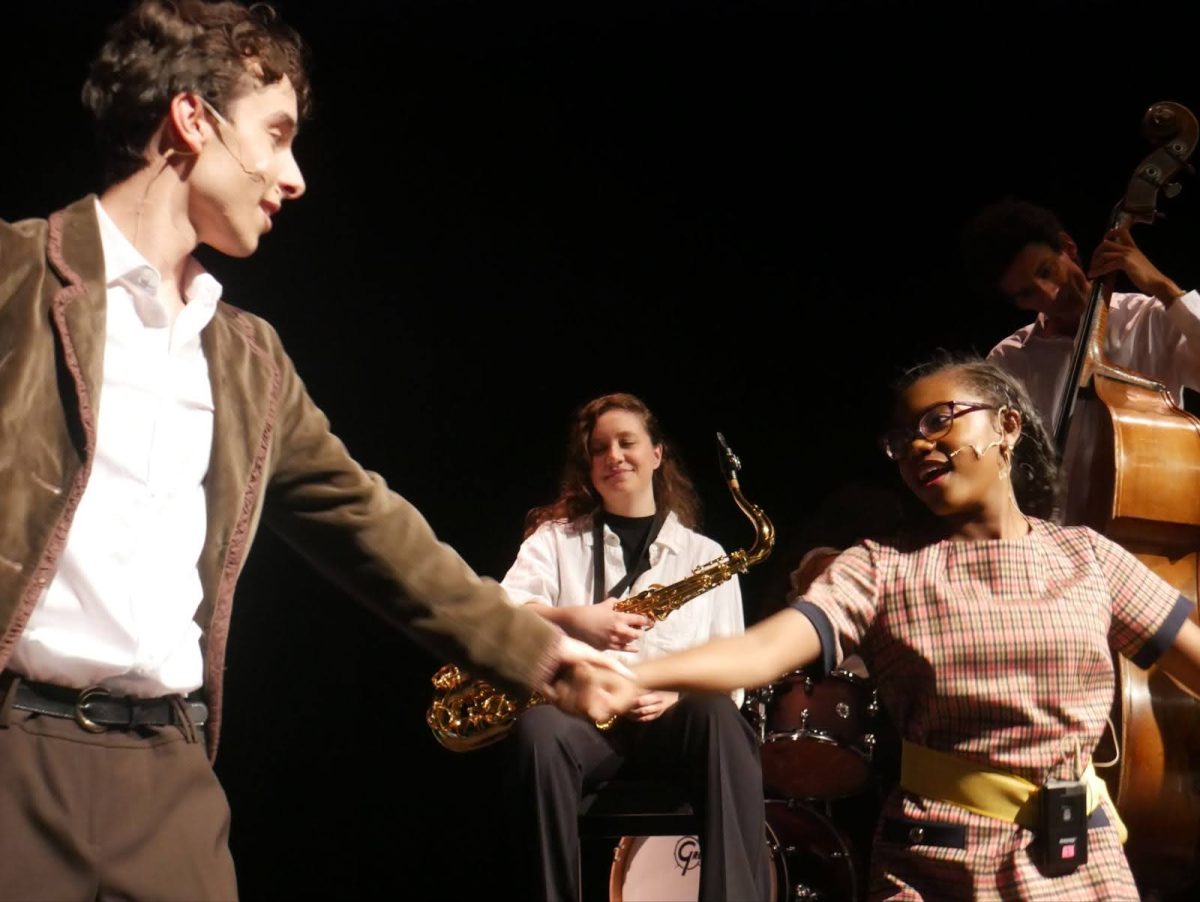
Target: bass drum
<point x="810" y="860"/>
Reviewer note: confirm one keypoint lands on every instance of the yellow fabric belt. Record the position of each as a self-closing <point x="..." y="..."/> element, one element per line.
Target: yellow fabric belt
<point x="985" y="790"/>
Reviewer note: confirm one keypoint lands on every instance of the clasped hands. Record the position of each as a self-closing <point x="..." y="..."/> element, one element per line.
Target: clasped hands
<point x="598" y="687"/>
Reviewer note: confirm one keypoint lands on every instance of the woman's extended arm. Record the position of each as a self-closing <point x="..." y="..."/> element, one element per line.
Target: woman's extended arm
<point x="779" y="644"/>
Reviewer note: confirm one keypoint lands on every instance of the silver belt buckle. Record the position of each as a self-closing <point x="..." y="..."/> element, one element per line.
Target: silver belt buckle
<point x="80" y="717"/>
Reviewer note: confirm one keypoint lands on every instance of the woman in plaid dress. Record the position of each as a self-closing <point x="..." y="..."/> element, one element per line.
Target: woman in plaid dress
<point x="990" y="634"/>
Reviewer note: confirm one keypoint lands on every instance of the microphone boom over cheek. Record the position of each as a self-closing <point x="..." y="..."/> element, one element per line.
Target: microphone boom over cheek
<point x="979" y="452"/>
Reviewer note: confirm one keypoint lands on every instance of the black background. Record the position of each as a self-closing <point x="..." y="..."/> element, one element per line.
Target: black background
<point x="746" y="213"/>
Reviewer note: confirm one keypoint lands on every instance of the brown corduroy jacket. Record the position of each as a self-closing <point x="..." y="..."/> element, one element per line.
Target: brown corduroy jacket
<point x="273" y="457"/>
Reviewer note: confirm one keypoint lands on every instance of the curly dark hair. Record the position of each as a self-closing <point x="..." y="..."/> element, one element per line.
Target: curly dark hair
<point x="161" y="48"/>
<point x="997" y="233"/>
<point x="1034" y="471"/>
<point x="577" y="497"/>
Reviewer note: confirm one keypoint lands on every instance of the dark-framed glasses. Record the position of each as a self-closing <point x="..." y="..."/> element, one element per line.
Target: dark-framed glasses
<point x="934" y="423"/>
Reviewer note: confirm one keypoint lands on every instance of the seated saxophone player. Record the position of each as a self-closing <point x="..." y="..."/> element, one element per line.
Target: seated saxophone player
<point x="623" y="522"/>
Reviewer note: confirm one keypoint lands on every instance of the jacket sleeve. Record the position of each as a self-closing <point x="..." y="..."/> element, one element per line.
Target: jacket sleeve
<point x="378" y="547"/>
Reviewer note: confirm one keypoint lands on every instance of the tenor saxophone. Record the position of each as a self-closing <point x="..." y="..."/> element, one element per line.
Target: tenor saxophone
<point x="469" y="713"/>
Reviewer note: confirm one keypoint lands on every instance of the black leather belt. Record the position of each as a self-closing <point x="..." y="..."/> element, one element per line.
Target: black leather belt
<point x="96" y="710"/>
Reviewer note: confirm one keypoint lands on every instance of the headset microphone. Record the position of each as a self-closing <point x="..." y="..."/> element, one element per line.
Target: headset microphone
<point x="254" y="174"/>
<point x="979" y="452"/>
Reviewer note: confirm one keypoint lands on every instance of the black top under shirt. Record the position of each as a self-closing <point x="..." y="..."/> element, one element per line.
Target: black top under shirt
<point x="632" y="533"/>
<point x="635" y="534"/>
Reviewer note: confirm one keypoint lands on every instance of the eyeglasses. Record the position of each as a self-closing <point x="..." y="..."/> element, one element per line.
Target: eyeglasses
<point x="934" y="423"/>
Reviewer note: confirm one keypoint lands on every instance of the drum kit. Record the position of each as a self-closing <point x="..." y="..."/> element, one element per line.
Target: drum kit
<point x="819" y="738"/>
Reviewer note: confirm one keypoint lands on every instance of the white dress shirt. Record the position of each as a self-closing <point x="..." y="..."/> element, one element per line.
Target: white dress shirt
<point x="1143" y="335"/>
<point x="118" y="612"/>
<point x="555" y="567"/>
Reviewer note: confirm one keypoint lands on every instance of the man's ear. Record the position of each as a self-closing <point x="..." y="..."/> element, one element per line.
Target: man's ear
<point x="186" y="127"/>
<point x="1069" y="247"/>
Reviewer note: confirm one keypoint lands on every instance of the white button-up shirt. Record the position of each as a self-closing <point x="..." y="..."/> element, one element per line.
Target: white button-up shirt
<point x="555" y="567"/>
<point x="1143" y="335"/>
<point x="119" y="610"/>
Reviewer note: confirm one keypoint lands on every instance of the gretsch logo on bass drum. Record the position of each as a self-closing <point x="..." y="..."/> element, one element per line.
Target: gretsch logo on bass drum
<point x="687" y="853"/>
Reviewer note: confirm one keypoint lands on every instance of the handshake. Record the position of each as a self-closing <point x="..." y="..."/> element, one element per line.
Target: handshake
<point x="590" y="683"/>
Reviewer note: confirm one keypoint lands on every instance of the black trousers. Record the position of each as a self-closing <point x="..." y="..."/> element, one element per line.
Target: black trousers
<point x="702" y="742"/>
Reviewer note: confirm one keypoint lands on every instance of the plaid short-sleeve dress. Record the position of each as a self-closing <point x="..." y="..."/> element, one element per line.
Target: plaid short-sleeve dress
<point x="997" y="652"/>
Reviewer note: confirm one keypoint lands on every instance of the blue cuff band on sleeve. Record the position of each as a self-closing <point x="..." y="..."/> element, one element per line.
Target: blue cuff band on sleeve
<point x="824" y="628"/>
<point x="1161" y="640"/>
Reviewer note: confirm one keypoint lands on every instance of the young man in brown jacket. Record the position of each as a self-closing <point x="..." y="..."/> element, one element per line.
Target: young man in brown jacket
<point x="145" y="428"/>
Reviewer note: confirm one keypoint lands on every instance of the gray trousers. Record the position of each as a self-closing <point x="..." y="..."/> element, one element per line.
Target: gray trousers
<point x="124" y="814"/>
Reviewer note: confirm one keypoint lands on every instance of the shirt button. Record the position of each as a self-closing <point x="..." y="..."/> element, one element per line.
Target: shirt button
<point x="916" y="834"/>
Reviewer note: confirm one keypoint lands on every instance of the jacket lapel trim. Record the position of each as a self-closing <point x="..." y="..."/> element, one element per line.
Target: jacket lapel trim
<point x="73" y="287"/>
<point x="217" y="634"/>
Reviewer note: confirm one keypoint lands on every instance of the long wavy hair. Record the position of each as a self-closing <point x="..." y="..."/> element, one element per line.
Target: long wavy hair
<point x="1034" y="470"/>
<point x="577" y="497"/>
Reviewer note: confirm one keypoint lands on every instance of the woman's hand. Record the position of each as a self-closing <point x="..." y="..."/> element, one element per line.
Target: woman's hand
<point x="590" y="683"/>
<point x="603" y="627"/>
<point x="651" y="705"/>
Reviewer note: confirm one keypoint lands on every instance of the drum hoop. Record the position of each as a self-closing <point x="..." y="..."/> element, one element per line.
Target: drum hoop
<point x="818" y="736"/>
<point x="837" y="673"/>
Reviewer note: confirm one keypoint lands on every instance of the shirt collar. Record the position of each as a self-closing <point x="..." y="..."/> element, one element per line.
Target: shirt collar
<point x="1037" y="330"/>
<point x="125" y="266"/>
<point x="670" y="536"/>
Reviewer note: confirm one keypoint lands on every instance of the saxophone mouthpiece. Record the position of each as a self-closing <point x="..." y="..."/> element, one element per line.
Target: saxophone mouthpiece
<point x="729" y="461"/>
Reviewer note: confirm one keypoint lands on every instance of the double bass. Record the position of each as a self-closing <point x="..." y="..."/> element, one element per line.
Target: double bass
<point x="1135" y="477"/>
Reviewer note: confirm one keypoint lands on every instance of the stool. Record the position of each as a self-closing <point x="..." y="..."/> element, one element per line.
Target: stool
<point x="626" y="808"/>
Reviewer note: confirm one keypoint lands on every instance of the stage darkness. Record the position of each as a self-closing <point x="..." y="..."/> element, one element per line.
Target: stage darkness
<point x="746" y="213"/>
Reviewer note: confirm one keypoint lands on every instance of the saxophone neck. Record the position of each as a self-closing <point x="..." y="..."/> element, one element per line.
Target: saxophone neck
<point x="764" y="529"/>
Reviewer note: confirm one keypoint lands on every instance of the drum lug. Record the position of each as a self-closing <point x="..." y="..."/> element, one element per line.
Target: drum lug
<point x="873" y="707"/>
<point x="868" y="741"/>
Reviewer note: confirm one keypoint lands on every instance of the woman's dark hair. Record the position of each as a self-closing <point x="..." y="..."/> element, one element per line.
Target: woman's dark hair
<point x="673" y="490"/>
<point x="162" y="48"/>
<point x="1034" y="469"/>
